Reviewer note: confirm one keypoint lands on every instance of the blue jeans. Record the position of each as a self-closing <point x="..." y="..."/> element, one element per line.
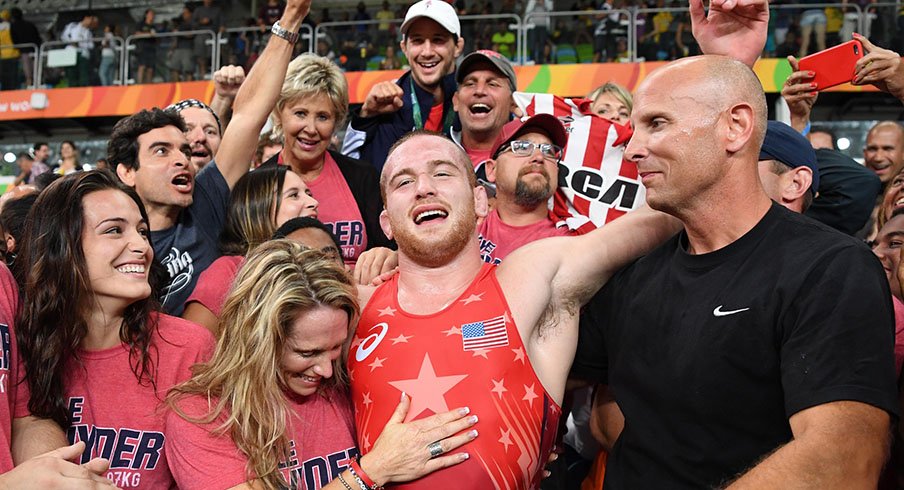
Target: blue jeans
<point x="107" y="70"/>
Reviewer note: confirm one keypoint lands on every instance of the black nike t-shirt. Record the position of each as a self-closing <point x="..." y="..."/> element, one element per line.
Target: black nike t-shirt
<point x="709" y="355"/>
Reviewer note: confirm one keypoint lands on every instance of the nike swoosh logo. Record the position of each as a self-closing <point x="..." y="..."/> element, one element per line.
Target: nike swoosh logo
<point x="718" y="311"/>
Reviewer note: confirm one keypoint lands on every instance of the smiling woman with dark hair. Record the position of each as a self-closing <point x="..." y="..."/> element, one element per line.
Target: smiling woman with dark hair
<point x="98" y="355"/>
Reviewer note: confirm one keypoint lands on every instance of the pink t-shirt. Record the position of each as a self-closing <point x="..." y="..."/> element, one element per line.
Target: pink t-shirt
<point x="322" y="440"/>
<point x="899" y="334"/>
<point x="498" y="239"/>
<point x="10" y="367"/>
<point x="215" y="282"/>
<point x="478" y="156"/>
<point x="339" y="210"/>
<point x="122" y="420"/>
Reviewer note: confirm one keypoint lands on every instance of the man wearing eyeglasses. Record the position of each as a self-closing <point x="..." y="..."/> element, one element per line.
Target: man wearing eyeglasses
<point x="524" y="166"/>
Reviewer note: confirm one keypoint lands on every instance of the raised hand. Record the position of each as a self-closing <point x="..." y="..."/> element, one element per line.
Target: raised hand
<point x="800" y="93"/>
<point x="383" y="98"/>
<point x="880" y="67"/>
<point x="733" y="28"/>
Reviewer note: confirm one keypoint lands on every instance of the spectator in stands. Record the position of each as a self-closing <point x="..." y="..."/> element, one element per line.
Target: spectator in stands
<point x="685" y="44"/>
<point x="270" y="12"/>
<point x="812" y="20"/>
<point x="361" y="15"/>
<point x="539" y="35"/>
<point x="41" y="154"/>
<point x="503" y="40"/>
<point x="268" y="145"/>
<point x="25" y="32"/>
<point x="422" y="97"/>
<point x="483" y="102"/>
<point x="385" y="30"/>
<point x="26" y="164"/>
<point x="390" y="60"/>
<point x="788" y="47"/>
<point x="146" y="48"/>
<point x="9" y="56"/>
<point x="788" y="168"/>
<point x="261" y="202"/>
<point x="107" y="69"/>
<point x="275" y="394"/>
<point x="611" y="101"/>
<point x="311" y="233"/>
<point x="79" y="35"/>
<point x="150" y="152"/>
<point x="325" y="49"/>
<point x="206" y="16"/>
<point x="182" y="64"/>
<point x="68" y="162"/>
<point x="91" y="336"/>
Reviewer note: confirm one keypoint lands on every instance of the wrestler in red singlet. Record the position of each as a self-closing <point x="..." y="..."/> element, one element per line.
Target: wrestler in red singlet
<point x="469" y="354"/>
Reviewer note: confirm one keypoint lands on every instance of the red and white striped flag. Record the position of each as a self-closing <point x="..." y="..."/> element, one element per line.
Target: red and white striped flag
<point x="484" y="335"/>
<point x="596" y="183"/>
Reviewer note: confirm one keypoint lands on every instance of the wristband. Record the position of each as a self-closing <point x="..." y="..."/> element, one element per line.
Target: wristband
<point x="357" y="472"/>
<point x="806" y="130"/>
<point x="286" y="34"/>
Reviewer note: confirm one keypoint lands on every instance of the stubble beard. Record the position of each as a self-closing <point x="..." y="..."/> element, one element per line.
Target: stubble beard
<point x="438" y="251"/>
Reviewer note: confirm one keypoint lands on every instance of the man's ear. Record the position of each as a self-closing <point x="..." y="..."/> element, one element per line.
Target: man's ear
<point x="741" y="126"/>
<point x="801" y="178"/>
<point x="384" y="224"/>
<point x="459" y="47"/>
<point x="126" y="175"/>
<point x="489" y="167"/>
<point x="481" y="203"/>
<point x="455" y="101"/>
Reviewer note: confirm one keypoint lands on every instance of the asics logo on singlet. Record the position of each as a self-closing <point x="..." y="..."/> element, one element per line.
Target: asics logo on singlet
<point x="370" y="343"/>
<point x="718" y="311"/>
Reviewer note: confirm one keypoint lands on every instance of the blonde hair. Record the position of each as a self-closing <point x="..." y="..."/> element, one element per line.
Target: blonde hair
<point x="309" y="75"/>
<point x="617" y="91"/>
<point x="280" y="280"/>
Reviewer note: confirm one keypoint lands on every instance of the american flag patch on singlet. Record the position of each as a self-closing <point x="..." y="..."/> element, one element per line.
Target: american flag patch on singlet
<point x="484" y="335"/>
<point x="596" y="184"/>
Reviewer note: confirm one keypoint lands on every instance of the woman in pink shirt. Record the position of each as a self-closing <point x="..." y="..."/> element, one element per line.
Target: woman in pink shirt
<point x="262" y="201"/>
<point x="271" y="409"/>
<point x="99" y="356"/>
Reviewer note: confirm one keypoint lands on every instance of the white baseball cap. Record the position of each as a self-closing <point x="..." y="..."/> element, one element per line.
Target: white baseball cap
<point x="438" y="10"/>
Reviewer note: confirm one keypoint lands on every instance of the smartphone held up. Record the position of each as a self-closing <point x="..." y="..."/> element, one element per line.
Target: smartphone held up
<point x="834" y="65"/>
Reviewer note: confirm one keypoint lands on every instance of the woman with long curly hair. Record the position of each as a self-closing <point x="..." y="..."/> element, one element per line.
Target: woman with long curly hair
<point x="271" y="408"/>
<point x="99" y="357"/>
<point x="262" y="201"/>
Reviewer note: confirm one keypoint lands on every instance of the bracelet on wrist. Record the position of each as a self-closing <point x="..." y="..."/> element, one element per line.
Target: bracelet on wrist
<point x="286" y="34"/>
<point x="343" y="482"/>
<point x="359" y="473"/>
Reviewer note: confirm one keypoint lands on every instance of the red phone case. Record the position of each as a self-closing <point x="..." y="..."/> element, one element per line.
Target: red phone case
<point x="834" y="65"/>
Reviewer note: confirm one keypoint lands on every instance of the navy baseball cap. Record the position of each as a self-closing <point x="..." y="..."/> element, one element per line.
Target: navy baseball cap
<point x="784" y="144"/>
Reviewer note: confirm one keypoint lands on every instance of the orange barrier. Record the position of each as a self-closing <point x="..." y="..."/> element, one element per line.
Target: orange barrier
<point x="564" y="80"/>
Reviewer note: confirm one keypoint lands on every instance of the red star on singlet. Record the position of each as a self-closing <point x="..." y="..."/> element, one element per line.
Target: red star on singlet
<point x="402" y="338"/>
<point x="367" y="400"/>
<point x="519" y="354"/>
<point x="481" y="353"/>
<point x="376" y="364"/>
<point x="499" y="388"/>
<point x="529" y="394"/>
<point x="427" y="390"/>
<point x="472" y="299"/>
<point x="452" y="331"/>
<point x="506" y="438"/>
<point x="388" y="311"/>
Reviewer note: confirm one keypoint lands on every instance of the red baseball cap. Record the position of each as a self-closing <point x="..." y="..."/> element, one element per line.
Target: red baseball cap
<point x="544" y="123"/>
